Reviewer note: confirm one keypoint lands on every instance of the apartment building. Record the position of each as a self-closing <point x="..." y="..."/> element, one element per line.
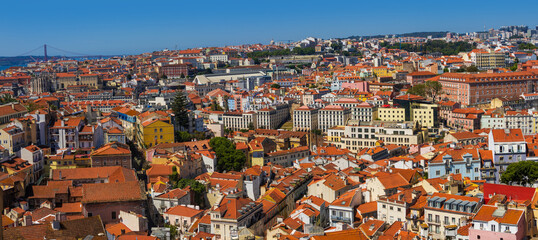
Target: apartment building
<point x="65" y="133"/>
<point x="425" y="114"/>
<point x="333" y="115"/>
<point x="520" y="120"/>
<point x="507" y="146"/>
<point x="356" y="137"/>
<point x="391" y="114"/>
<point x="305" y="119"/>
<point x="10" y="111"/>
<point x="498" y="222"/>
<point x="285" y="158"/>
<point x="342" y="210"/>
<point x="239" y="120"/>
<point x="493" y="121"/>
<point x="456" y="161"/>
<point x="445" y="213"/>
<point x="273" y="117"/>
<point x="488" y="60"/>
<point x="481" y="88"/>
<point x="232" y="213"/>
<point x="360" y="111"/>
<point x="12" y="139"/>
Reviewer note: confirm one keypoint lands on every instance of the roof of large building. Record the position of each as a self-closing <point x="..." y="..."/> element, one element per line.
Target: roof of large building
<point x="507" y="135"/>
<point x="112" y="192"/>
<point x="113" y="173"/>
<point x="183" y="211"/>
<point x="114" y="148"/>
<point x="492" y="213"/>
<point x="70" y="229"/>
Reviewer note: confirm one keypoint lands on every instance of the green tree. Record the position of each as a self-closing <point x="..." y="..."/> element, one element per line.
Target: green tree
<point x="198" y="189"/>
<point x="275" y="85"/>
<point x="7" y="98"/>
<point x="32" y="106"/>
<point x="418" y="89"/>
<point x="523" y="173"/>
<point x="526" y="46"/>
<point x="433" y="89"/>
<point x="316" y="132"/>
<point x="182" y="136"/>
<point x="429" y="89"/>
<point x="513" y="68"/>
<point x="181" y="113"/>
<point x="228" y="157"/>
<point x="472" y="68"/>
<point x="173" y="231"/>
<point x="251" y="126"/>
<point x="174" y="177"/>
<point x="215" y="106"/>
<point x="199" y="135"/>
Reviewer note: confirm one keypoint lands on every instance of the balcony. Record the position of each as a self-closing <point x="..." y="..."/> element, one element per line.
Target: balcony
<point x="340" y="219"/>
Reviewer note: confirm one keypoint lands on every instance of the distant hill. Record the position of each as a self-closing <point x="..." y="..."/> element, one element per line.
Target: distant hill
<point x="413" y="34"/>
<point x="17" y="61"/>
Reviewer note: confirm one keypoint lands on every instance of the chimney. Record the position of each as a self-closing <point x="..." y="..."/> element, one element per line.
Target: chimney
<point x="13" y="106"/>
<point x="60" y="175"/>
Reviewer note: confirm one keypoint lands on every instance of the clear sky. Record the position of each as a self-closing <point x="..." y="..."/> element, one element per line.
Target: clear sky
<point x="131" y="26"/>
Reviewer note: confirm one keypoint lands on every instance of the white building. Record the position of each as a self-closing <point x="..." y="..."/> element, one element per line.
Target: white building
<point x="333" y="115"/>
<point x="305" y="119"/>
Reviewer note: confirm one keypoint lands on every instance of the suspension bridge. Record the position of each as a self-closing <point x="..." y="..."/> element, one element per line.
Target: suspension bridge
<point x="58" y="53"/>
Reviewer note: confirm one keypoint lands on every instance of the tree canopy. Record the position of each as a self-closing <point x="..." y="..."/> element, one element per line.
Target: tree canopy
<point x="7" y="98"/>
<point x="282" y="52"/>
<point x="429" y="89"/>
<point x="179" y="106"/>
<point x="446" y="48"/>
<point x="228" y="157"/>
<point x="196" y="187"/>
<point x="275" y="85"/>
<point x="523" y="173"/>
<point x="525" y="46"/>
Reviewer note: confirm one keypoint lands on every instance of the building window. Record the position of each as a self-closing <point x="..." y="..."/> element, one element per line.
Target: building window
<point x="113" y="214"/>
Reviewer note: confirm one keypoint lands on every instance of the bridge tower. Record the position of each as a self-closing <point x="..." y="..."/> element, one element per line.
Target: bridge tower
<point x="45" y="49"/>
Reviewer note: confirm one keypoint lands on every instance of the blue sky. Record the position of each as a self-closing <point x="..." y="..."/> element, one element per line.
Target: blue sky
<point x="131" y="27"/>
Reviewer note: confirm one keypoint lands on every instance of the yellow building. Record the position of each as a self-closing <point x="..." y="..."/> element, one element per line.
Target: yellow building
<point x="12" y="139"/>
<point x="381" y="72"/>
<point x="391" y="114"/>
<point x="425" y="114"/>
<point x="335" y="134"/>
<point x="156" y="131"/>
<point x="59" y="162"/>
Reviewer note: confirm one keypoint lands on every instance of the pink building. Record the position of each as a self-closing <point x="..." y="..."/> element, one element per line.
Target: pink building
<point x="415" y="78"/>
<point x="498" y="222"/>
<point x="362" y="86"/>
<point x="465" y="118"/>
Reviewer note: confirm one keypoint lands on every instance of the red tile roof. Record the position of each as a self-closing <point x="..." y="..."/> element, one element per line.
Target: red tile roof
<point x="184" y="211"/>
<point x="112" y="192"/>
